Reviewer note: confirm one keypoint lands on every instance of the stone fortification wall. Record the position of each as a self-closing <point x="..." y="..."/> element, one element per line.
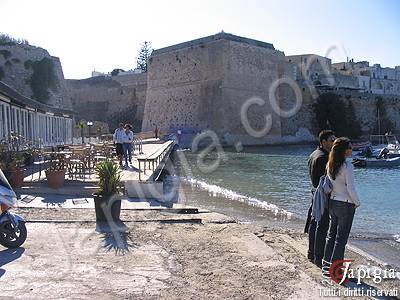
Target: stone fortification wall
<point x="249" y="74"/>
<point x="303" y="124"/>
<point x="109" y="99"/>
<point x="366" y="109"/>
<point x="204" y="85"/>
<point x="183" y="86"/>
<point x="15" y="65"/>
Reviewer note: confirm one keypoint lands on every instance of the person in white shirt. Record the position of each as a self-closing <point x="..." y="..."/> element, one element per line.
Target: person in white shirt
<point x="127" y="145"/>
<point x="119" y="138"/>
<point x="343" y="200"/>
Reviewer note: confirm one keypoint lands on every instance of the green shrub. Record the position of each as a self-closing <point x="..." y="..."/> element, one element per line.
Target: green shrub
<point x="8" y="63"/>
<point x="333" y="113"/>
<point x="6" y="40"/>
<point x="115" y="72"/>
<point x="385" y="123"/>
<point x="16" y="60"/>
<point x="1" y="73"/>
<point x="28" y="64"/>
<point x="6" y="54"/>
<point x="353" y="125"/>
<point x="43" y="79"/>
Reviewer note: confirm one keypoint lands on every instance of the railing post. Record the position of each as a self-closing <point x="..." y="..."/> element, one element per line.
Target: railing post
<point x="140" y="171"/>
<point x="140" y="146"/>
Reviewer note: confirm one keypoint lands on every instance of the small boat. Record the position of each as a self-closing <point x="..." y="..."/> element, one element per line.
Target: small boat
<point x="393" y="144"/>
<point x="376" y="163"/>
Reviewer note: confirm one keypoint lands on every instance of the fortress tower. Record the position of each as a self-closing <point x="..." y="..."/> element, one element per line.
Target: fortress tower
<point x="203" y="84"/>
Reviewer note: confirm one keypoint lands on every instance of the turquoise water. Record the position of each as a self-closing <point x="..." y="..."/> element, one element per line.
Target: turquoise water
<point x="276" y="179"/>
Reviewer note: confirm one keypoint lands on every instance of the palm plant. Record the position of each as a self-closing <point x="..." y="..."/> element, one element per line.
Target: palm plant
<point x="107" y="201"/>
<point x="80" y="126"/>
<point x="109" y="178"/>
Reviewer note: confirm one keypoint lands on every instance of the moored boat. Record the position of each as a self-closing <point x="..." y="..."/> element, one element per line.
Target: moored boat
<point x="376" y="163"/>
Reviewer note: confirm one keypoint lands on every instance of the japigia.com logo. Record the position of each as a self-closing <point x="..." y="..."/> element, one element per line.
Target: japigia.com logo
<point x="340" y="271"/>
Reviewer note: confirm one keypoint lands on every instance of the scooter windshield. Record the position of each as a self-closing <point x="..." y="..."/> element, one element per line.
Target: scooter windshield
<point x="7" y="194"/>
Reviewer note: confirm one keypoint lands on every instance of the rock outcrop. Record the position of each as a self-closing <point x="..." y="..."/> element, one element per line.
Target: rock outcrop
<point x="34" y="73"/>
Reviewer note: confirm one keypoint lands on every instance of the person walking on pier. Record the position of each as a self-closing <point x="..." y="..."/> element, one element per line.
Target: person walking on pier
<point x="317" y="231"/>
<point x="119" y="137"/>
<point x="127" y="146"/>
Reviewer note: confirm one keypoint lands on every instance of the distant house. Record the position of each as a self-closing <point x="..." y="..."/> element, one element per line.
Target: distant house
<point x="96" y="73"/>
<point x="34" y="121"/>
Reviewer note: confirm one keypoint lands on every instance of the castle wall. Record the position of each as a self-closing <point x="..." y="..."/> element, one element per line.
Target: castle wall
<point x="183" y="87"/>
<point x="249" y="72"/>
<point x="301" y="126"/>
<point x="304" y="124"/>
<point x="109" y="99"/>
<point x="365" y="107"/>
<point x="204" y="86"/>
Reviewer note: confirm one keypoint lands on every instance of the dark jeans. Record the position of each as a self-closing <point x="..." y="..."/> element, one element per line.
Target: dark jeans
<point x="127" y="152"/>
<point x="316" y="238"/>
<point x="341" y="219"/>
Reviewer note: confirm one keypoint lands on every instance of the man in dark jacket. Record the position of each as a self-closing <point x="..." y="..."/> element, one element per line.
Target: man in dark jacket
<point x="316" y="167"/>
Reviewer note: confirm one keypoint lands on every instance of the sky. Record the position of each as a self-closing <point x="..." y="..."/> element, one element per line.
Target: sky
<point x="103" y="35"/>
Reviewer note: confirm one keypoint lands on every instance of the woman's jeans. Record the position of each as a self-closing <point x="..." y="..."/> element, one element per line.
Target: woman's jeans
<point x="341" y="216"/>
<point x="127" y="147"/>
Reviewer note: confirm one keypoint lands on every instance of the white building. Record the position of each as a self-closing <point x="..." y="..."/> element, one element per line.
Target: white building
<point x="35" y="122"/>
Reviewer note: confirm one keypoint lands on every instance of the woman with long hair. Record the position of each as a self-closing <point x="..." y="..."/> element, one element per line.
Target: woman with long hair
<point x="343" y="201"/>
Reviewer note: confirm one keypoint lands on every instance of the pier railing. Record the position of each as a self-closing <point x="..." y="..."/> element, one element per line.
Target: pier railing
<point x="153" y="160"/>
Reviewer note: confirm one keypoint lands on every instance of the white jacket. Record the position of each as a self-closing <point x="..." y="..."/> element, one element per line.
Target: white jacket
<point x="119" y="136"/>
<point x="128" y="137"/>
<point x="343" y="186"/>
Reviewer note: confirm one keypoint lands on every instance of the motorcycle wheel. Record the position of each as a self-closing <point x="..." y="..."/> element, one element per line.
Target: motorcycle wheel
<point x="11" y="238"/>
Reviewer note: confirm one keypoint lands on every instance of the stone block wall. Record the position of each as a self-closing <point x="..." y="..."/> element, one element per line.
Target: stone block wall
<point x="109" y="99"/>
<point x="365" y="107"/>
<point x="204" y="86"/>
<point x="183" y="87"/>
<point x="367" y="114"/>
<point x="249" y="72"/>
<point x="302" y="121"/>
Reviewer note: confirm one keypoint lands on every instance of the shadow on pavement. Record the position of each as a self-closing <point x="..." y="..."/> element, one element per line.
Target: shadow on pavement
<point x="116" y="237"/>
<point x="9" y="255"/>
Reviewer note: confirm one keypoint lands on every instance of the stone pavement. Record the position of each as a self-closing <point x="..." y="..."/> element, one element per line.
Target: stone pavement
<point x="214" y="259"/>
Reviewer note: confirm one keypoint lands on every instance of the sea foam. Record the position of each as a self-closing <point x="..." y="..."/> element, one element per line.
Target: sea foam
<point x="216" y="190"/>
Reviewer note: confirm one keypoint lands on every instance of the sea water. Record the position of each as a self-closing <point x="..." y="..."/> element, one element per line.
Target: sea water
<point x="260" y="182"/>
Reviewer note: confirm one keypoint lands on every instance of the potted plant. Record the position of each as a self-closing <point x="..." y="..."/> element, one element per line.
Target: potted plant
<point x="28" y="156"/>
<point x="12" y="163"/>
<point x="55" y="175"/>
<point x="107" y="200"/>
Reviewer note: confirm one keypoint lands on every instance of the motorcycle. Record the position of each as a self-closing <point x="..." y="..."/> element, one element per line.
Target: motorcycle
<point x="12" y="226"/>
